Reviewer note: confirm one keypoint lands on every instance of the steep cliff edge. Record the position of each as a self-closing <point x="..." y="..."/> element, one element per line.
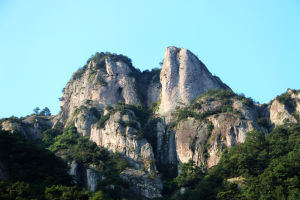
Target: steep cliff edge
<point x="285" y="108"/>
<point x="108" y="79"/>
<point x="155" y="120"/>
<point x="183" y="78"/>
<point x="105" y="79"/>
<point x="216" y="120"/>
<point x="196" y="116"/>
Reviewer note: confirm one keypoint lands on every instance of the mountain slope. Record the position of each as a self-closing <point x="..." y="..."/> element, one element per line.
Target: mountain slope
<point x="159" y="122"/>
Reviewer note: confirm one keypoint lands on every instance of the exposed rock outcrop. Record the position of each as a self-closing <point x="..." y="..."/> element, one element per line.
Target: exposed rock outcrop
<point x="142" y="183"/>
<point x="285" y="108"/>
<point x="218" y="123"/>
<point x="183" y="78"/>
<point x="92" y="177"/>
<point x="31" y="127"/>
<point x="206" y="126"/>
<point x="279" y="114"/>
<point x="116" y="136"/>
<point x="85" y="176"/>
<point x="108" y="82"/>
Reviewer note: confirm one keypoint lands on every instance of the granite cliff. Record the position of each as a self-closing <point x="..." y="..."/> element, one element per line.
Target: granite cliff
<point x="157" y="120"/>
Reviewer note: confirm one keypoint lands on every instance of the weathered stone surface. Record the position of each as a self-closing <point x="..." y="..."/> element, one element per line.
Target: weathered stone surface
<point x="279" y="114"/>
<point x="92" y="177"/>
<point x="123" y="139"/>
<point x="228" y="131"/>
<point x="31" y="127"/>
<point x="83" y="118"/>
<point x="166" y="154"/>
<point x="88" y="177"/>
<point x="191" y="137"/>
<point x="75" y="172"/>
<point x="142" y="183"/>
<point x="99" y="87"/>
<point x="183" y="78"/>
<point x="204" y="140"/>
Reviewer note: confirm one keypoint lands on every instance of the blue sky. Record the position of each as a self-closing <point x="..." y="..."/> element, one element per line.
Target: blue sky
<point x="253" y="46"/>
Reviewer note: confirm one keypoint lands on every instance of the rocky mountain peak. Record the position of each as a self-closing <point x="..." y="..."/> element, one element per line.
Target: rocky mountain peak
<point x="183" y="78"/>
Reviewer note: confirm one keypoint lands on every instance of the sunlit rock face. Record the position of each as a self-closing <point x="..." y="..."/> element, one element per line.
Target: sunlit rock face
<point x="110" y="79"/>
<point x="123" y="139"/>
<point x="282" y="112"/>
<point x="204" y="140"/>
<point x="183" y="78"/>
<point x="98" y="86"/>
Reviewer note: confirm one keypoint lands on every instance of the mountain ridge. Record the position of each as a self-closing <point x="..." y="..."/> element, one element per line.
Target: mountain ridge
<point x="157" y="120"/>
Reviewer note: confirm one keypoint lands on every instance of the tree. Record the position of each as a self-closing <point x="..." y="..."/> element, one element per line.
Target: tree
<point x="36" y="110"/>
<point x="45" y="112"/>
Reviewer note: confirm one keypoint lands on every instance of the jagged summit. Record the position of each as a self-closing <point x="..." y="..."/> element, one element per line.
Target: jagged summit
<point x="155" y="120"/>
<point x="110" y="78"/>
<point x="184" y="77"/>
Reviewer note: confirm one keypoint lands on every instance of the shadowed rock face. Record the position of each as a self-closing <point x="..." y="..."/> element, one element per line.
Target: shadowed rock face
<point x="112" y="82"/>
<point x="31" y="127"/>
<point x="183" y="78"/>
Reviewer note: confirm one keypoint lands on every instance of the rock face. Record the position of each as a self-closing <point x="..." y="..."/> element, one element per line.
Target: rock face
<point x="286" y="110"/>
<point x="141" y="183"/>
<point x="183" y="78"/>
<point x="279" y="113"/>
<point x="92" y="179"/>
<point x="88" y="177"/>
<point x="166" y="153"/>
<point x="117" y="137"/>
<point x="228" y="131"/>
<point x="187" y="126"/>
<point x="109" y="83"/>
<point x="31" y="127"/>
<point x="203" y="140"/>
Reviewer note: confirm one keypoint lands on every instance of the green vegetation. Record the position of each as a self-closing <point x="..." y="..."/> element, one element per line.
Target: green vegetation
<point x="25" y="191"/>
<point x="36" y="173"/>
<point x="71" y="146"/>
<point x="81" y="149"/>
<point x="226" y="97"/>
<point x="16" y="151"/>
<point x="190" y="174"/>
<point x="64" y="192"/>
<point x="264" y="167"/>
<point x="216" y="93"/>
<point x="30" y="168"/>
<point x="155" y="106"/>
<point x="263" y="122"/>
<point x="102" y="120"/>
<point x="44" y="112"/>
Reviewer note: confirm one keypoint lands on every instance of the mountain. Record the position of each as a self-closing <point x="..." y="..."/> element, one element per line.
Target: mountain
<point x="157" y="121"/>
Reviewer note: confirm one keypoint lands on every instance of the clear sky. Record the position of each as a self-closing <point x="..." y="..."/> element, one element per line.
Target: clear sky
<point x="252" y="45"/>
